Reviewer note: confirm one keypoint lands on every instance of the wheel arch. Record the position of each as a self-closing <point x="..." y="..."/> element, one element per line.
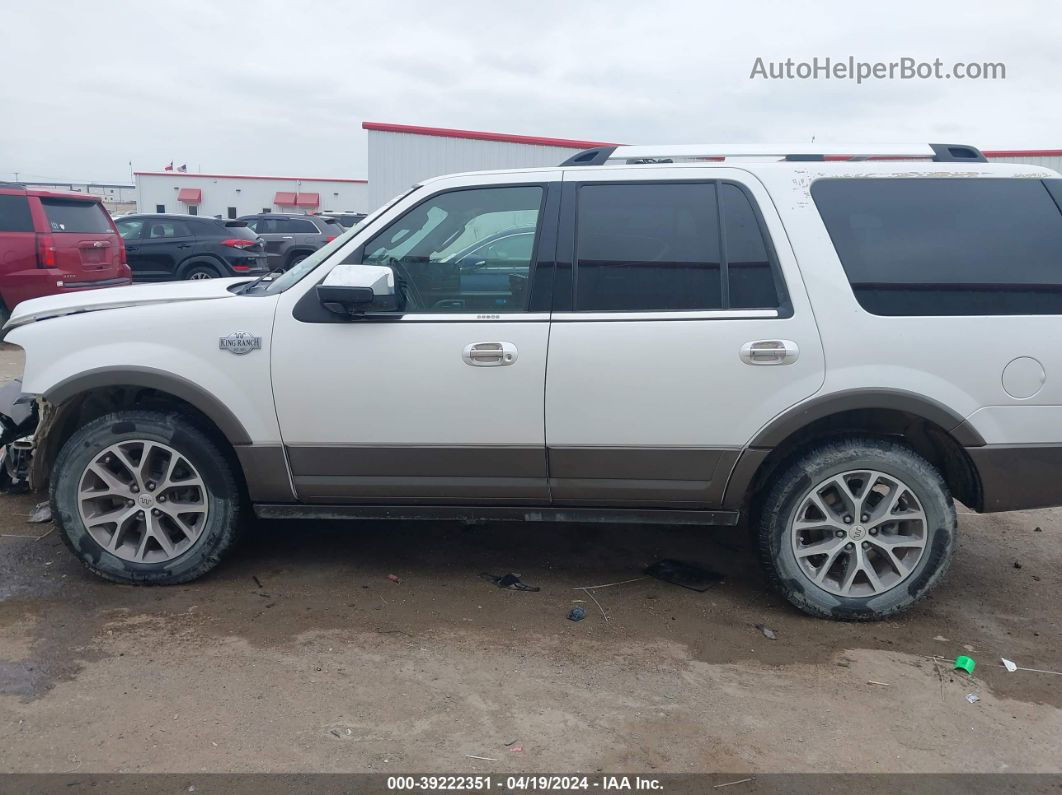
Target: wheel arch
<point x="292" y="253"/>
<point x="201" y="259"/>
<point x="927" y="426"/>
<point x="78" y="399"/>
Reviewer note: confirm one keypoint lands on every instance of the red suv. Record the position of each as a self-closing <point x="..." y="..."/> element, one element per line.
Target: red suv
<point x="55" y="243"/>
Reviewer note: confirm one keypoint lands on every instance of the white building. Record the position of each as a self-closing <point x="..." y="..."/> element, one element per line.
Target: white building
<point x="117" y="198"/>
<point x="1047" y="158"/>
<point x="230" y="196"/>
<point x="401" y="155"/>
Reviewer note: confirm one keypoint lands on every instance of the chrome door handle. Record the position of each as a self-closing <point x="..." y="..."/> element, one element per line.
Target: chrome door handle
<point x="761" y="352"/>
<point x="489" y="354"/>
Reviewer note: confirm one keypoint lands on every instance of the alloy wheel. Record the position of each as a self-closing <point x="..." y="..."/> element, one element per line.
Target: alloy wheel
<point x="859" y="534"/>
<point x="143" y="501"/>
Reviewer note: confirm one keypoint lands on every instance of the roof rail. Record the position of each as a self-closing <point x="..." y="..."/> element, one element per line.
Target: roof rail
<point x="671" y="153"/>
<point x="597" y="156"/>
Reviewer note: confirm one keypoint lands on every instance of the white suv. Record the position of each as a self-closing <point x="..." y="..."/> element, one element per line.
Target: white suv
<point x="833" y="344"/>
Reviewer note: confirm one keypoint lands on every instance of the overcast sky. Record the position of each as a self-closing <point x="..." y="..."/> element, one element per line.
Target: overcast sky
<point x="281" y="88"/>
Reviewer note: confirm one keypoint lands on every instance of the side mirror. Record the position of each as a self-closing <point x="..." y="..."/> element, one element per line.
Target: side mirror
<point x="353" y="290"/>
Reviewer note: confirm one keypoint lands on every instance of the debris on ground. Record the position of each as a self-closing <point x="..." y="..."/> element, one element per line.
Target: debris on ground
<point x="41" y="513"/>
<point x="484" y="758"/>
<point x="731" y="783"/>
<point x="510" y="581"/>
<point x="683" y="574"/>
<point x="1017" y="564"/>
<point x="516" y="749"/>
<point x="576" y="614"/>
<point x="1038" y="529"/>
<point x="880" y="684"/>
<point x="394" y="578"/>
<point x="1012" y="666"/>
<point x="607" y="584"/>
<point x="767" y="632"/>
<point x="973" y="698"/>
<point x="941" y="637"/>
<point x="964" y="663"/>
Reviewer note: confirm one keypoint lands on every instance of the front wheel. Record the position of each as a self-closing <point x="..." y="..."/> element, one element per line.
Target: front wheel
<point x="857" y="529"/>
<point x="145" y="497"/>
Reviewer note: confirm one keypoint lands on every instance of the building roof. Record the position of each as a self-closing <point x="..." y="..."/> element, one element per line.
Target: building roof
<point x="476" y="135"/>
<point x="242" y="176"/>
<point x="1022" y="153"/>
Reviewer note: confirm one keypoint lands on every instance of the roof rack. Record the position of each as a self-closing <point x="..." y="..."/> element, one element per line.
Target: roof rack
<point x="938" y="153"/>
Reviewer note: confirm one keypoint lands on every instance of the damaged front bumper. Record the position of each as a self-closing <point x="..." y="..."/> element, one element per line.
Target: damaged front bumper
<point x="19" y="419"/>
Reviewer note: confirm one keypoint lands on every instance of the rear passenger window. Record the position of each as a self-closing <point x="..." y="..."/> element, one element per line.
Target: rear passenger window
<point x="298" y="226"/>
<point x="648" y="247"/>
<point x="71" y="215"/>
<point x="15" y="214"/>
<point x="946" y="246"/>
<point x="751" y="277"/>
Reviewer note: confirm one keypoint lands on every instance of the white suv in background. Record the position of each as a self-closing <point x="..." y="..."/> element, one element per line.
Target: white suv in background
<point x="832" y="343"/>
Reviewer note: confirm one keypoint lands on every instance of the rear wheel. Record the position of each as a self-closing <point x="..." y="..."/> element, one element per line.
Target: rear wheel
<point x="857" y="529"/>
<point x="145" y="498"/>
<point x="202" y="272"/>
<point x="291" y="263"/>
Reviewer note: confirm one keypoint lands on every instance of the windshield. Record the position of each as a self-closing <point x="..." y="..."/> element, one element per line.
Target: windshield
<point x="278" y="283"/>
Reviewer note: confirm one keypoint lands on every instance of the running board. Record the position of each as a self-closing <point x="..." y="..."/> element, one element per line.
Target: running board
<point x="465" y="513"/>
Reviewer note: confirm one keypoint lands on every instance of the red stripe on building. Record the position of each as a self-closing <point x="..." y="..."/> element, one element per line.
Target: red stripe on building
<point x="476" y="135"/>
<point x="242" y="176"/>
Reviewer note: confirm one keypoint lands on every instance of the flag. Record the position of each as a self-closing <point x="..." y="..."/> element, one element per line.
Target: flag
<point x="182" y="167"/>
<point x="169" y="167"/>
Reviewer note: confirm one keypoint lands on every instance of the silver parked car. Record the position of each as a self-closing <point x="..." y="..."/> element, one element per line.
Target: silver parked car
<point x="289" y="238"/>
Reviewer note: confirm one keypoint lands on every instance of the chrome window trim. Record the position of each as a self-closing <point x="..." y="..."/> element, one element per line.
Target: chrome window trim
<point x="706" y="314"/>
<point x="468" y="317"/>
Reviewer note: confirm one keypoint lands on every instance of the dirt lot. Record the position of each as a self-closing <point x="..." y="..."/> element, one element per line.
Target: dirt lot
<point x="299" y="654"/>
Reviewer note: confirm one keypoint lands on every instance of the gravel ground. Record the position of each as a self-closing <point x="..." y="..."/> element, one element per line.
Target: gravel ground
<point x="300" y="654"/>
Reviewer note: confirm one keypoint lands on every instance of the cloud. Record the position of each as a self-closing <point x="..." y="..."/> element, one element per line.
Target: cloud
<point x="279" y="87"/>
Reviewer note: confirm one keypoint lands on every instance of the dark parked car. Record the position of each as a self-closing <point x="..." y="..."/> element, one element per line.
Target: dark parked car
<point x="55" y="243"/>
<point x="290" y="239"/>
<point x="162" y="247"/>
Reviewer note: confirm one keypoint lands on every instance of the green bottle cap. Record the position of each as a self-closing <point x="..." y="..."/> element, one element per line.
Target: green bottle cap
<point x="963" y="663"/>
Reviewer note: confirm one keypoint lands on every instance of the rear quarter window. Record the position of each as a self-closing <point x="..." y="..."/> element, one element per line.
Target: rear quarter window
<point x="15" y="214"/>
<point x="71" y="215"/>
<point x="914" y="246"/>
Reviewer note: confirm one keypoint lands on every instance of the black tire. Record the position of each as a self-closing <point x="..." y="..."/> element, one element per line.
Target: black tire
<point x="294" y="260"/>
<point x="219" y="531"/>
<point x="201" y="271"/>
<point x="787" y="491"/>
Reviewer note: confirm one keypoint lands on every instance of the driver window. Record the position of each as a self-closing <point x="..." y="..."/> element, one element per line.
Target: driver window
<point x="463" y="251"/>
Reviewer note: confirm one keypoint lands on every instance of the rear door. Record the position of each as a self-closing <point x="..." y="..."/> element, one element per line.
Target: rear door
<point x="681" y="327"/>
<point x="275" y="236"/>
<point x="85" y="242"/>
<point x="304" y="234"/>
<point x="163" y="244"/>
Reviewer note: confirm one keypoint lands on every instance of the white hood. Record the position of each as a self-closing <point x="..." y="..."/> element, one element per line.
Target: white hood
<point x="118" y="297"/>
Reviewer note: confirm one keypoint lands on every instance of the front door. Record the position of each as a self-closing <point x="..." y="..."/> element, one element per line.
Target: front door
<point x="442" y="403"/>
<point x="685" y="330"/>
